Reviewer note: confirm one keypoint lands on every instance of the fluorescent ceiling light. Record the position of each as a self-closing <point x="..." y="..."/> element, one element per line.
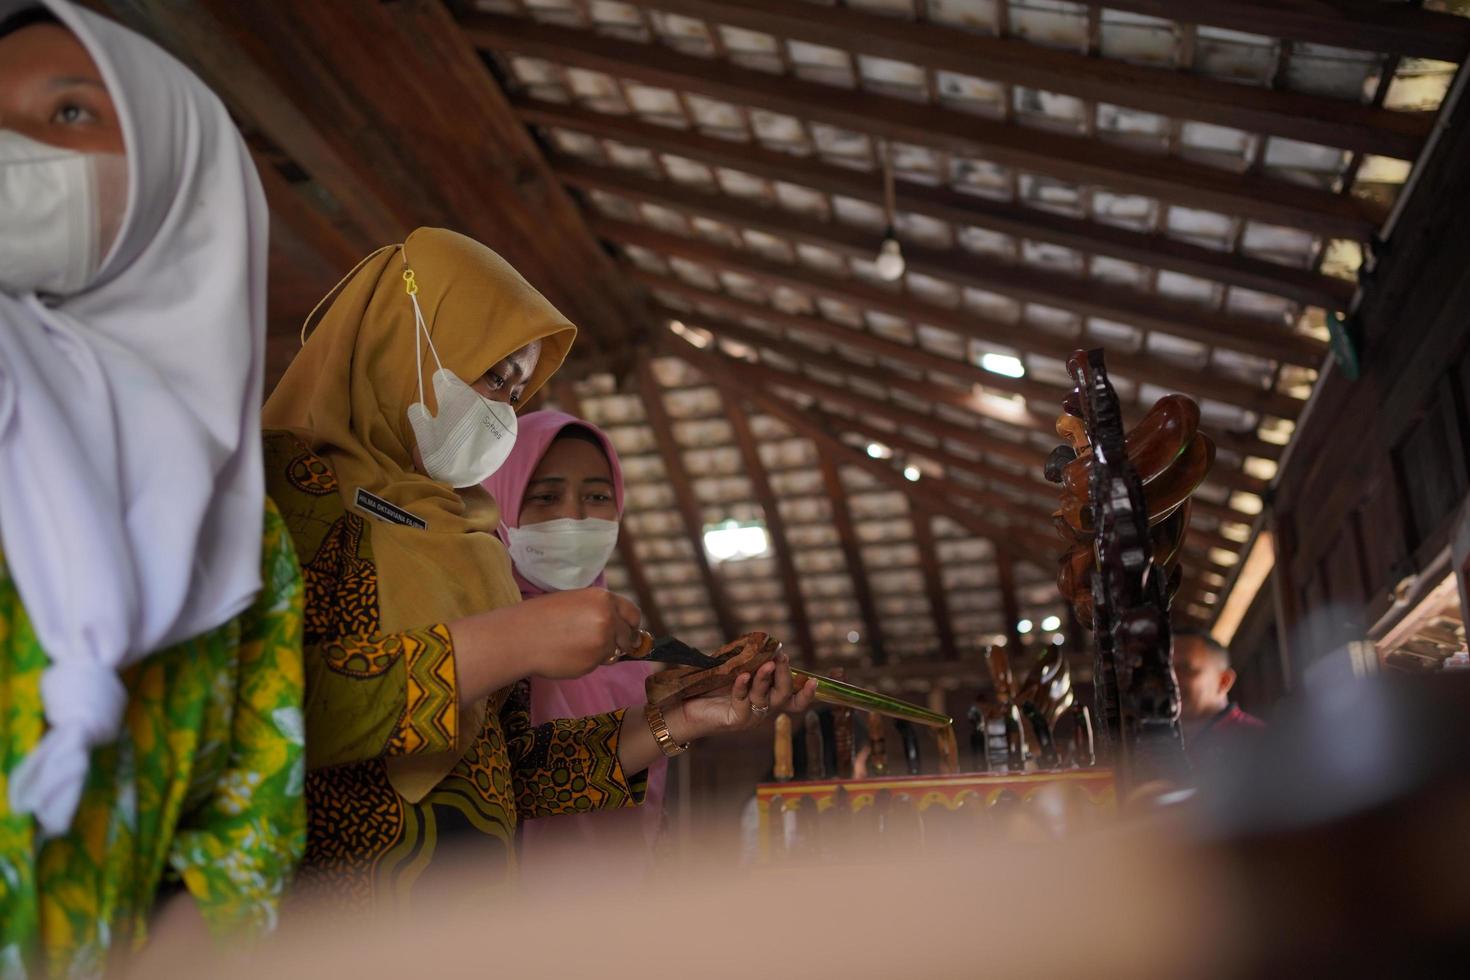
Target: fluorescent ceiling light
<point x="1051" y="622"/>
<point x="1024" y="626"/>
<point x="732" y="541"/>
<point x="1258" y="565"/>
<point x="1003" y="364"/>
<point x="879" y="451"/>
<point x="697" y="337"/>
<point x="911" y="473"/>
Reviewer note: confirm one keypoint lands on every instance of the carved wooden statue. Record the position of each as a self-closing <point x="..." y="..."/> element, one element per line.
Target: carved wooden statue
<point x="783" y="768"/>
<point x="816" y="754"/>
<point x="842" y="734"/>
<point x="877" y="745"/>
<point x="1124" y="509"/>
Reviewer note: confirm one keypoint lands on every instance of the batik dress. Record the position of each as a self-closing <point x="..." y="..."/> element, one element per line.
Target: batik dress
<point x="372" y="696"/>
<point x="204" y="786"/>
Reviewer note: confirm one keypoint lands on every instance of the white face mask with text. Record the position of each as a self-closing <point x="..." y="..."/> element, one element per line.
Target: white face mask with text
<point x="562" y="554"/>
<point x="472" y="435"/>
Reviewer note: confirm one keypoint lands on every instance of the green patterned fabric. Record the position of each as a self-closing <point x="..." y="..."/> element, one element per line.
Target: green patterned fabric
<point x="204" y="786"/>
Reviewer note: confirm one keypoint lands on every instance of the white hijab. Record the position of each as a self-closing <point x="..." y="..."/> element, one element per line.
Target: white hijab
<point x="131" y="484"/>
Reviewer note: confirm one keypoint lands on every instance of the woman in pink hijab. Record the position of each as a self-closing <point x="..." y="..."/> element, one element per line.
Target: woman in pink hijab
<point x="560" y="496"/>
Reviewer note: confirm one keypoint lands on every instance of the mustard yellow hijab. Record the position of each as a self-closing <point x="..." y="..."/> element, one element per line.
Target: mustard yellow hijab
<point x="346" y="395"/>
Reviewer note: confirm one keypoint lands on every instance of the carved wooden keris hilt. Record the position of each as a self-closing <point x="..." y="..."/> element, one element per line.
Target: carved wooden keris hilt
<point x="1124" y="510"/>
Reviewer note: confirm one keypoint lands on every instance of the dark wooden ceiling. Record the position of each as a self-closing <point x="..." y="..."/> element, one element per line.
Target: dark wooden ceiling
<point x="697" y="184"/>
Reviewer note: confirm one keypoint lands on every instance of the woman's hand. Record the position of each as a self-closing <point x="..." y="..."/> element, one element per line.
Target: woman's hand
<point x="576" y="631"/>
<point x="750" y="701"/>
<point x="559" y="635"/>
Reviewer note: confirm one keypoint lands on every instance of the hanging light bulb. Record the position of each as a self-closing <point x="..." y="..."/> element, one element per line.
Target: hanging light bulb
<point x="889" y="264"/>
<point x="890" y="259"/>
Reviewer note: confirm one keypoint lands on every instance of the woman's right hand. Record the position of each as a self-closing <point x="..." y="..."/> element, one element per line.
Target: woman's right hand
<point x="558" y="635"/>
<point x="576" y="631"/>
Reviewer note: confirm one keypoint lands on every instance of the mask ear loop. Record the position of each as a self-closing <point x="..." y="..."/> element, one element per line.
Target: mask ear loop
<point x="411" y="286"/>
<point x="315" y="315"/>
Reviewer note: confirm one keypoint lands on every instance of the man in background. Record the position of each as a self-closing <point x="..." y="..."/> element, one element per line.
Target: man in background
<point x="1214" y="725"/>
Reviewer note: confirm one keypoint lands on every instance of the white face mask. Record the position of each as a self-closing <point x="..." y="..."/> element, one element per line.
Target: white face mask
<point x="562" y="554"/>
<point x="54" y="204"/>
<point x="472" y="435"/>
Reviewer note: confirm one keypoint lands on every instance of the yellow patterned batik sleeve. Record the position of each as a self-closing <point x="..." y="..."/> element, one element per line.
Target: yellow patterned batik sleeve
<point x="569" y="765"/>
<point x="384" y="695"/>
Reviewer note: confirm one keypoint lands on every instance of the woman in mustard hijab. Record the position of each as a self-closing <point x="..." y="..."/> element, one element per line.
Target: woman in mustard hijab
<point x="418" y="725"/>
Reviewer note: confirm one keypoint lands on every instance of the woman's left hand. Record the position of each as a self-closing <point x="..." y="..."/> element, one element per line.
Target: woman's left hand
<point x="750" y="701"/>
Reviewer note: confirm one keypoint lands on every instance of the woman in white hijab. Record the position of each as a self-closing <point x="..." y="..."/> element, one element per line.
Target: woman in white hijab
<point x="150" y="673"/>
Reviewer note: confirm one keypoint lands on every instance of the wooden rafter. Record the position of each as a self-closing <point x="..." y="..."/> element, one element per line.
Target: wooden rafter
<point x="1196" y="544"/>
<point x="760" y="483"/>
<point x="1038" y="511"/>
<point x="684" y="496"/>
<point x="955" y="207"/>
<point x="289" y="205"/>
<point x="1029" y="536"/>
<point x="393" y="114"/>
<point x="200" y="39"/>
<point x="860" y="424"/>
<point x="934" y="584"/>
<point x="744" y="381"/>
<point x="1314" y="119"/>
<point x="939" y="392"/>
<point x="1062" y="156"/>
<point x="892" y="351"/>
<point x="1135" y="367"/>
<point x="1029" y="482"/>
<point x="653" y="619"/>
<point x="852" y="552"/>
<point x="1024" y="453"/>
<point x="1085" y="297"/>
<point x="1365" y="25"/>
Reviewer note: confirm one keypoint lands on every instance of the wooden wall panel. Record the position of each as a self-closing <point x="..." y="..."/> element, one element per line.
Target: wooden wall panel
<point x="1430" y="464"/>
<point x="1379" y="465"/>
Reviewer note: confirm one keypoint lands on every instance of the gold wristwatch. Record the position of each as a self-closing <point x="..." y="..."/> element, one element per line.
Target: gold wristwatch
<point x="661" y="734"/>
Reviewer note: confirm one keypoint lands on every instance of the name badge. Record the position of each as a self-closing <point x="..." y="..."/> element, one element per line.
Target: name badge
<point x="385" y="511"/>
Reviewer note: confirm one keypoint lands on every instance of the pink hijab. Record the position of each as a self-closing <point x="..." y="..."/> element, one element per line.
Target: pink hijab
<point x="614" y="842"/>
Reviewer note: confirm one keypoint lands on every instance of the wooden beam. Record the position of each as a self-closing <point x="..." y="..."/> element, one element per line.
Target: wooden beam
<point x="934" y="584"/>
<point x="1195" y="552"/>
<point x="716" y="367"/>
<point x="1029" y="482"/>
<point x="291" y="206"/>
<point x="852" y="552"/>
<point x="392" y="112"/>
<point x="1065" y="157"/>
<point x="653" y="619"/>
<point x="1313" y="119"/>
<point x="891" y="351"/>
<point x="1134" y="367"/>
<point x="955" y="207"/>
<point x="1022" y="452"/>
<point x="760" y="483"/>
<point x="218" y="55"/>
<point x="1365" y="25"/>
<point x="689" y="509"/>
<point x="1036" y="513"/>
<point x="934" y="390"/>
<point x="1026" y="284"/>
<point x="744" y="381"/>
